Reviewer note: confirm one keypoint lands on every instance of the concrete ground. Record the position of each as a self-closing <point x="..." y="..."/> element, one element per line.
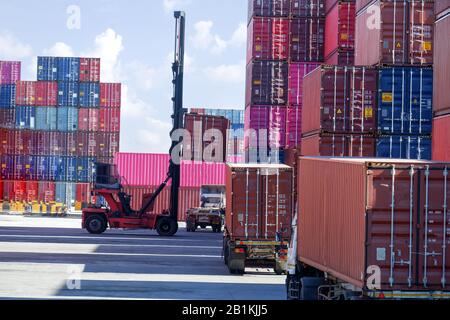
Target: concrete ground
<point x="53" y="258"/>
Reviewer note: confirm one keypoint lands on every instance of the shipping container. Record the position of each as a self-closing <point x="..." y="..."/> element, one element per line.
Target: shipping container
<point x="65" y="193"/>
<point x="402" y="35"/>
<point x="341" y="58"/>
<point x="267" y="83"/>
<point x="25" y="93"/>
<point x="68" y="94"/>
<point x="340" y="31"/>
<point x="46" y="118"/>
<point x="264" y="155"/>
<point x="89" y="96"/>
<point x="46" y="93"/>
<point x="83" y="193"/>
<point x="47" y="69"/>
<point x="340" y="100"/>
<point x="114" y="144"/>
<point x="85" y="169"/>
<point x="15" y="191"/>
<point x="24" y="142"/>
<point x="441" y="138"/>
<point x="71" y="143"/>
<point x="25" y="117"/>
<point x="88" y="119"/>
<point x="256" y="126"/>
<point x="7" y="166"/>
<point x="67" y="119"/>
<point x="47" y="191"/>
<point x="385" y="215"/>
<point x="32" y="191"/>
<point x="6" y="142"/>
<point x="293" y="126"/>
<point x="440" y="6"/>
<point x="405" y="100"/>
<point x="82" y="142"/>
<point x="338" y="145"/>
<point x="7" y="118"/>
<point x="307" y="39"/>
<point x="8" y="96"/>
<point x="441" y="97"/>
<point x="102" y="145"/>
<point x="199" y="146"/>
<point x="110" y="95"/>
<point x="404" y="147"/>
<point x="260" y="201"/>
<point x="42" y="146"/>
<point x="9" y="72"/>
<point x="277" y="127"/>
<point x="109" y="119"/>
<point x="259" y="39"/>
<point x="308" y="8"/>
<point x="89" y="70"/>
<point x="69" y="69"/>
<point x="280" y="39"/>
<point x="297" y="71"/>
<point x="57" y="143"/>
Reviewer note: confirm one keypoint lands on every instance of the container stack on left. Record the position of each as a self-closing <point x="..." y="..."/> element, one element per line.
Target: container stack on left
<point x="55" y="129"/>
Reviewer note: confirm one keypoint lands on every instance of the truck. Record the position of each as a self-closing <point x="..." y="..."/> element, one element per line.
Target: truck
<point x="370" y="229"/>
<point x="211" y="210"/>
<point x="259" y="210"/>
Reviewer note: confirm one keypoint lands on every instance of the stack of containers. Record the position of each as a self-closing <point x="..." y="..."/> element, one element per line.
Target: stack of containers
<point x="235" y="143"/>
<point x="441" y="101"/>
<point x="64" y="122"/>
<point x="400" y="44"/>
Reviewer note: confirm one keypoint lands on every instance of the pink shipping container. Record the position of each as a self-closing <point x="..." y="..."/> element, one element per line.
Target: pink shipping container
<point x="109" y="119"/>
<point x="256" y="118"/>
<point x="110" y="95"/>
<point x="293" y="127"/>
<point x="89" y="70"/>
<point x="46" y="93"/>
<point x="296" y="73"/>
<point x="277" y="127"/>
<point x="88" y="119"/>
<point x="197" y="174"/>
<point x="307" y="38"/>
<point x="9" y="72"/>
<point x="25" y="93"/>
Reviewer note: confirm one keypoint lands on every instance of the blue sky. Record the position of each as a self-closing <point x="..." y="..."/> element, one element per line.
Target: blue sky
<point x="135" y="41"/>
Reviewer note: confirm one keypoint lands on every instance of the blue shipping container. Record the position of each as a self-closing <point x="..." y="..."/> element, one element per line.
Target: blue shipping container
<point x="67" y="119"/>
<point x="405" y="100"/>
<point x="89" y="95"/>
<point x="69" y="69"/>
<point x="47" y="69"/>
<point x="67" y="170"/>
<point x="7" y="166"/>
<point x="24" y="167"/>
<point x="7" y="96"/>
<point x="42" y="168"/>
<point x="65" y="192"/>
<point x="85" y="170"/>
<point x="68" y="94"/>
<point x="46" y="118"/>
<point x="25" y="117"/>
<point x="404" y="147"/>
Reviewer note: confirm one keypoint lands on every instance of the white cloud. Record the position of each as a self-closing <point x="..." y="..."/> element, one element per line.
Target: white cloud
<point x="239" y="36"/>
<point x="231" y="73"/>
<point x="204" y="38"/>
<point x="170" y="5"/>
<point x="59" y="49"/>
<point x="12" y="49"/>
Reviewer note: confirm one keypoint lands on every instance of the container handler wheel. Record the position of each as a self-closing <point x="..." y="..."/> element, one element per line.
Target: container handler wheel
<point x="278" y="270"/>
<point x="166" y="227"/>
<point x="96" y="224"/>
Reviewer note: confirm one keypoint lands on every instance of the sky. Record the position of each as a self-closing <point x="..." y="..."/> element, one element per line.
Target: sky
<point x="135" y="40"/>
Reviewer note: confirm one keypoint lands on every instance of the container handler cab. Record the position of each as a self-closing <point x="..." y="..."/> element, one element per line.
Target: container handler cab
<point x="118" y="213"/>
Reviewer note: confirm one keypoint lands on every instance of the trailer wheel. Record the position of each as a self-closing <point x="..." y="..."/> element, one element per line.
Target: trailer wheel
<point x="166" y="227"/>
<point x="96" y="224"/>
<point x="278" y="270"/>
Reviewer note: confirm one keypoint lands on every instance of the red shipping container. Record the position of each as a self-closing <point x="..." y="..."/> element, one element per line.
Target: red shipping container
<point x="32" y="191"/>
<point x="260" y="201"/>
<point x="19" y="191"/>
<point x="6" y="142"/>
<point x="46" y="93"/>
<point x="89" y="70"/>
<point x="7" y="118"/>
<point x="338" y="145"/>
<point x="109" y="119"/>
<point x="82" y="144"/>
<point x="88" y="119"/>
<point x="361" y="213"/>
<point x="24" y="141"/>
<point x="404" y="36"/>
<point x="57" y="144"/>
<point x="114" y="144"/>
<point x="47" y="192"/>
<point x="307" y="38"/>
<point x="441" y="138"/>
<point x="280" y="39"/>
<point x="197" y="110"/>
<point x="25" y="93"/>
<point x="42" y="146"/>
<point x="103" y="145"/>
<point x="340" y="29"/>
<point x="297" y="71"/>
<point x="256" y="118"/>
<point x="293" y="127"/>
<point x="441" y="96"/>
<point x="341" y="58"/>
<point x="83" y="193"/>
<point x="259" y="39"/>
<point x="110" y="95"/>
<point x="340" y="100"/>
<point x="70" y="139"/>
<point x="92" y="144"/>
<point x="307" y="8"/>
<point x="277" y="127"/>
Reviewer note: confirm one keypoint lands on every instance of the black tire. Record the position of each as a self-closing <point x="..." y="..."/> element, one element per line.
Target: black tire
<point x="278" y="270"/>
<point x="166" y="227"/>
<point x="96" y="224"/>
<point x="225" y="253"/>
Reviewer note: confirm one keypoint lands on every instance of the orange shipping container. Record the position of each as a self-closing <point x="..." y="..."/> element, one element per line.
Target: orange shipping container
<point x="441" y="97"/>
<point x="441" y="138"/>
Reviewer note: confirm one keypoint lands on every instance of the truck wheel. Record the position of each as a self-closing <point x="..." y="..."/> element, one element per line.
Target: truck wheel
<point x="278" y="270"/>
<point x="309" y="287"/>
<point x="95" y="224"/>
<point x="225" y="252"/>
<point x="166" y="227"/>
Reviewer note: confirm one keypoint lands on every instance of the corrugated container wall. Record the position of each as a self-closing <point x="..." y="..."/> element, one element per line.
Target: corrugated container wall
<point x="441" y="97"/>
<point x="441" y="138"/>
<point x="10" y="72"/>
<point x="338" y="145"/>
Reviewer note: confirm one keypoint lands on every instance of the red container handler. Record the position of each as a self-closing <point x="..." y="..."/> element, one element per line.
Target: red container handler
<point x="25" y="93"/>
<point x="360" y="215"/>
<point x="441" y="138"/>
<point x="404" y="35"/>
<point x="307" y="39"/>
<point x="46" y="93"/>
<point x="441" y="97"/>
<point x="340" y="99"/>
<point x="297" y="71"/>
<point x="338" y="145"/>
<point x="89" y="70"/>
<point x="110" y="95"/>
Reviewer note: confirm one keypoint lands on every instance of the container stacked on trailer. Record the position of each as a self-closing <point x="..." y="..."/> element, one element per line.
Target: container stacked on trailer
<point x="441" y="96"/>
<point x="63" y="123"/>
<point x="397" y="37"/>
<point x="285" y="42"/>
